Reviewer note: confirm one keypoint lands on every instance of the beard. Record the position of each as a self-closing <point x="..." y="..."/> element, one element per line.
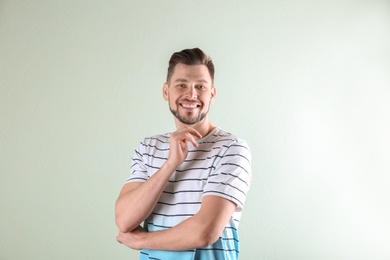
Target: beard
<point x="188" y="119"/>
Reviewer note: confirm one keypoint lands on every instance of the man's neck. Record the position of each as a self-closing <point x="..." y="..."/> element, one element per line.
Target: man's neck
<point x="204" y="127"/>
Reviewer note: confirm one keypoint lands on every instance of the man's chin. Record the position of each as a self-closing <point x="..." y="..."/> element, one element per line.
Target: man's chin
<point x="190" y="121"/>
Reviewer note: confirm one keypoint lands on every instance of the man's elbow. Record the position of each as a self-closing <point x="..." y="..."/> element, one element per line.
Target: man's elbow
<point x="121" y="225"/>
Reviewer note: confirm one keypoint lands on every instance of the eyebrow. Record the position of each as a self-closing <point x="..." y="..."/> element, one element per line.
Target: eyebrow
<point x="185" y="80"/>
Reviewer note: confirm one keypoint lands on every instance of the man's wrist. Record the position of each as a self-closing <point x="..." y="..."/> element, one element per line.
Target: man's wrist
<point x="169" y="167"/>
<point x="142" y="239"/>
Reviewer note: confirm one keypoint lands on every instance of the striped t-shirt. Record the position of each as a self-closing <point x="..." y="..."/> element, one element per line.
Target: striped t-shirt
<point x="219" y="166"/>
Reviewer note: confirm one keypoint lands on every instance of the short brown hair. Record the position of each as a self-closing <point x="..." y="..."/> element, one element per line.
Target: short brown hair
<point x="193" y="56"/>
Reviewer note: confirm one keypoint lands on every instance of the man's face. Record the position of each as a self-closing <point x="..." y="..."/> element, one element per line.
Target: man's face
<point x="189" y="93"/>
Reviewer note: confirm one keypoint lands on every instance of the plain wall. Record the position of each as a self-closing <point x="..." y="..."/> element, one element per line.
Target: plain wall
<point x="306" y="83"/>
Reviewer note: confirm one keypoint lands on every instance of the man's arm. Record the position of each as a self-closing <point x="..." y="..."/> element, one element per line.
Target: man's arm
<point x="137" y="199"/>
<point x="203" y="229"/>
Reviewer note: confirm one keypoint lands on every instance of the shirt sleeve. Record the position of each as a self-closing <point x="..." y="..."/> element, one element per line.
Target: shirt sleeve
<point x="232" y="175"/>
<point x="138" y="169"/>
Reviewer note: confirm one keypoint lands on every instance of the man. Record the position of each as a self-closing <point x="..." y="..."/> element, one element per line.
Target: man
<point x="188" y="186"/>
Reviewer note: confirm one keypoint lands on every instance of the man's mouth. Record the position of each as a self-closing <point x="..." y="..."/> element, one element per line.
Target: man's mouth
<point x="190" y="105"/>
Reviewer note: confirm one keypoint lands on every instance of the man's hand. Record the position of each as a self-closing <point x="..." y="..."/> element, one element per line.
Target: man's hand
<point x="178" y="144"/>
<point x="133" y="238"/>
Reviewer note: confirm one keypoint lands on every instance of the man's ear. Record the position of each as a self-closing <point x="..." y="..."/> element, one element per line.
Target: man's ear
<point x="165" y="91"/>
<point x="213" y="94"/>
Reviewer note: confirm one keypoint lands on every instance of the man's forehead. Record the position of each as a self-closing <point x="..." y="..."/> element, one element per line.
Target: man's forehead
<point x="185" y="73"/>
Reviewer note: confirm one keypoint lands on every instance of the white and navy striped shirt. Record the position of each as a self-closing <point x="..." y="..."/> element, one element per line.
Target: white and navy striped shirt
<point x="219" y="166"/>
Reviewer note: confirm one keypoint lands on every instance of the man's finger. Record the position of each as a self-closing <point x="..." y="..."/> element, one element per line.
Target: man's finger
<point x="191" y="138"/>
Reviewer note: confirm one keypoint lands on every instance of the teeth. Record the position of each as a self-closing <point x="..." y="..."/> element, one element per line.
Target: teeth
<point x="186" y="105"/>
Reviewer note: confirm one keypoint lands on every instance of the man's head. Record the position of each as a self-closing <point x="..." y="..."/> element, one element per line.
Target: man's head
<point x="193" y="56"/>
<point x="189" y="89"/>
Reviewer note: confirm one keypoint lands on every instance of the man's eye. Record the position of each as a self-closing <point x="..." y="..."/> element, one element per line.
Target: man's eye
<point x="201" y="87"/>
<point x="181" y="86"/>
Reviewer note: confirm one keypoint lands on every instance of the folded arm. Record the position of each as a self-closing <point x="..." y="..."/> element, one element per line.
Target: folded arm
<point x="203" y="229"/>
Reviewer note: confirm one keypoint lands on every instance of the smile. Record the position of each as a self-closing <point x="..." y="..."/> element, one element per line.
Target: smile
<point x="189" y="105"/>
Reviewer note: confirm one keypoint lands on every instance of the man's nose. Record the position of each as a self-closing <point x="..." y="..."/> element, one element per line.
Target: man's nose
<point x="192" y="93"/>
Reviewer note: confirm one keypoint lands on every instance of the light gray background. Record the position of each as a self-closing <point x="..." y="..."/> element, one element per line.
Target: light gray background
<point x="306" y="83"/>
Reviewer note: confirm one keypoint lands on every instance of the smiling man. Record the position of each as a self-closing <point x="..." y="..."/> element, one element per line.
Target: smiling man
<point x="187" y="187"/>
<point x="192" y="91"/>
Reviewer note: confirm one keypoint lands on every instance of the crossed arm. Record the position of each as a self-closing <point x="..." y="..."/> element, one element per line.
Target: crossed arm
<point x="203" y="229"/>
